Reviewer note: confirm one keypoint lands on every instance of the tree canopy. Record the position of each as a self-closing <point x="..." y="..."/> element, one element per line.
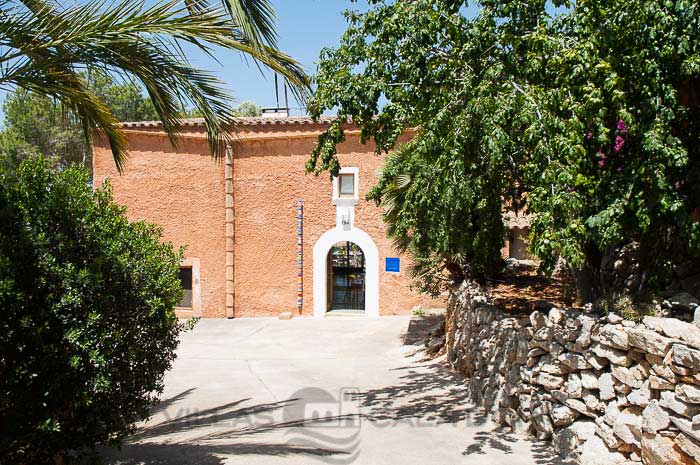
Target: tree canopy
<point x="35" y="123"/>
<point x="126" y="100"/>
<point x="585" y="113"/>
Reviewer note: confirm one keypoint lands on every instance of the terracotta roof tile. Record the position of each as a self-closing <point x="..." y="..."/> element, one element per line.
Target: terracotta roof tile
<point x="241" y="121"/>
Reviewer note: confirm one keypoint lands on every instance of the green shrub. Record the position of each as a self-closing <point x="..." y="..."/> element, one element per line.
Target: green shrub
<point x="88" y="326"/>
<point x="418" y="311"/>
<point x="630" y="308"/>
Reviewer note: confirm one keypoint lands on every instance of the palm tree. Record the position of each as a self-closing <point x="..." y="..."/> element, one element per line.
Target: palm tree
<point x="47" y="48"/>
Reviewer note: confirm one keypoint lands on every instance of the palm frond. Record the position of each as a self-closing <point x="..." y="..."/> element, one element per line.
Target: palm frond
<point x="256" y="20"/>
<point x="403" y="180"/>
<point x="44" y="49"/>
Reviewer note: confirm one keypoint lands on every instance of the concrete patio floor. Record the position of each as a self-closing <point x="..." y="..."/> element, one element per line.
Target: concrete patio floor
<point x="336" y="390"/>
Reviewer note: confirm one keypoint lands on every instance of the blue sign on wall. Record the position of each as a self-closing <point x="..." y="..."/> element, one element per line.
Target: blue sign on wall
<point x="392" y="265"/>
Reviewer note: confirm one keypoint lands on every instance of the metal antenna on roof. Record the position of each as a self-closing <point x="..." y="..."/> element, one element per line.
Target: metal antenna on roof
<point x="278" y="112"/>
<point x="277" y="92"/>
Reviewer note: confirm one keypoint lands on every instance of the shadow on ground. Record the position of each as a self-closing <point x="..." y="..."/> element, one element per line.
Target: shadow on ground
<point x="426" y="393"/>
<point x="207" y="437"/>
<point x="422" y="395"/>
<point x="504" y="441"/>
<point x="544" y="455"/>
<point x="432" y="393"/>
<point x="425" y="396"/>
<point x="208" y="454"/>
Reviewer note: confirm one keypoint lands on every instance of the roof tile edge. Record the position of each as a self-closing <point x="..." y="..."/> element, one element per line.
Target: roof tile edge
<point x="240" y="121"/>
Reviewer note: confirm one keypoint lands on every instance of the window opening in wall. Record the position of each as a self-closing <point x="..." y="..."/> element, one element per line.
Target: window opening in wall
<point x="346" y="184"/>
<point x="186" y="282"/>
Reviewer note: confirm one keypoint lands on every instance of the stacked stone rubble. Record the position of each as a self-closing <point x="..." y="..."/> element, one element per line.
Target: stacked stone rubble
<point x="602" y="389"/>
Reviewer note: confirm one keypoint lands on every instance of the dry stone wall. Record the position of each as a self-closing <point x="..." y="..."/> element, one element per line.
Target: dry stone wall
<point x="603" y="389"/>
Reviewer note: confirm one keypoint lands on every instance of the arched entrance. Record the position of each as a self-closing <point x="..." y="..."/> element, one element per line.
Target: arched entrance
<point x="345" y="283"/>
<point x="323" y="286"/>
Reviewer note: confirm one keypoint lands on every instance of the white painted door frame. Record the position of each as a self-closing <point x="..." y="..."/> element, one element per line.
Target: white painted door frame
<point x="369" y="249"/>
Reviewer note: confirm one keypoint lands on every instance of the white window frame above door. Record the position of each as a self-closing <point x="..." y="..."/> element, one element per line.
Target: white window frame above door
<point x="346" y="201"/>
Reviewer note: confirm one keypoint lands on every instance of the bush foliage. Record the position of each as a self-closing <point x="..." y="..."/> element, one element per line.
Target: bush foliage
<point x="88" y="325"/>
<point x="587" y="113"/>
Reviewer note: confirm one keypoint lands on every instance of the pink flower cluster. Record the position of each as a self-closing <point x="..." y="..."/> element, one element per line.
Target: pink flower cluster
<point x="619" y="140"/>
<point x="621" y="130"/>
<point x="621" y="127"/>
<point x="619" y="143"/>
<point x="601" y="159"/>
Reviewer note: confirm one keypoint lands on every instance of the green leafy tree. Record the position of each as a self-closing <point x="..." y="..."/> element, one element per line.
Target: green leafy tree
<point x="248" y="109"/>
<point x="37" y="121"/>
<point x="14" y="149"/>
<point x="584" y="113"/>
<point x="126" y="100"/>
<point x="88" y="326"/>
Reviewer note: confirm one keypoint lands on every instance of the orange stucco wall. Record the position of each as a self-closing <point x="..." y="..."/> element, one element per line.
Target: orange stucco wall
<point x="183" y="190"/>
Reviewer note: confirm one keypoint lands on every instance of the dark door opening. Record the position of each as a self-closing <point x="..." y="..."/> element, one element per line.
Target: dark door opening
<point x="346" y="277"/>
<point x="186" y="282"/>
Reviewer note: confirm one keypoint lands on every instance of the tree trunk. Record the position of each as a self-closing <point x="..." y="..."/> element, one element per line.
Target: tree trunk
<point x="587" y="278"/>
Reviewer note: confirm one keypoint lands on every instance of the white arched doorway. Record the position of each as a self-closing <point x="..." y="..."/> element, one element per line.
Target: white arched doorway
<point x="371" y="256"/>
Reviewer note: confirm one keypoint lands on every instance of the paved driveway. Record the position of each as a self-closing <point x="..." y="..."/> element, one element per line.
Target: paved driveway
<point x="305" y="391"/>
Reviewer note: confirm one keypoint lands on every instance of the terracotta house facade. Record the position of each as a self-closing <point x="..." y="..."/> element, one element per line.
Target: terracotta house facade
<point x="261" y="236"/>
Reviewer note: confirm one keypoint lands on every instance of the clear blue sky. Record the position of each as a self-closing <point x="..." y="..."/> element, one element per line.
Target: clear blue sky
<point x="304" y="28"/>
